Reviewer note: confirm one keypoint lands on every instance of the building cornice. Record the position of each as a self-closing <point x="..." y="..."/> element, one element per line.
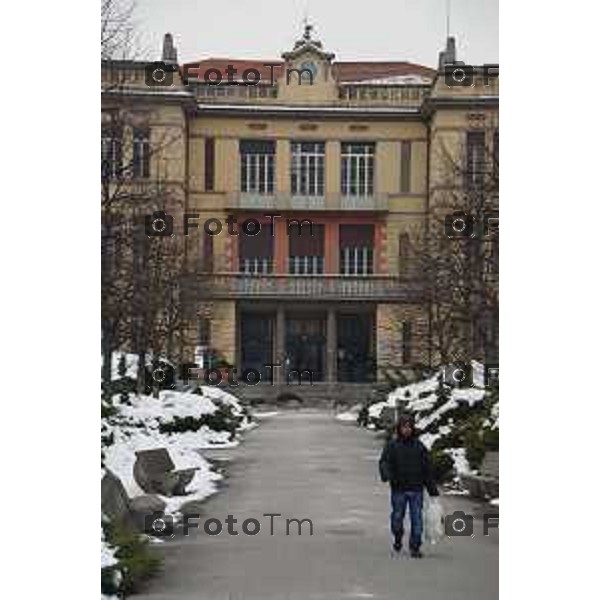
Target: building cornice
<point x="299" y="111"/>
<point x="163" y="94"/>
<point x="433" y="103"/>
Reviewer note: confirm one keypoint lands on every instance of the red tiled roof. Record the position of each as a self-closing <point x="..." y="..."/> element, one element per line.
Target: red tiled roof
<point x="343" y="71"/>
<point x="358" y="71"/>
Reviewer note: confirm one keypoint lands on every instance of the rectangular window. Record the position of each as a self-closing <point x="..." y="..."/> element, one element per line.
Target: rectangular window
<point x="204" y="332"/>
<point x="475" y="167"/>
<point x="405" y="156"/>
<point x="209" y="164"/>
<point x="257" y="159"/>
<point x="406" y="342"/>
<point x="207" y="253"/>
<point x="256" y="252"/>
<point x="306" y="251"/>
<point x="356" y="249"/>
<point x="358" y="167"/>
<point x="141" y="153"/>
<point x="112" y="153"/>
<point x="308" y="168"/>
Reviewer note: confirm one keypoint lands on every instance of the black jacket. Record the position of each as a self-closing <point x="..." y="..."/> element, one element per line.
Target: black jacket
<point x="405" y="464"/>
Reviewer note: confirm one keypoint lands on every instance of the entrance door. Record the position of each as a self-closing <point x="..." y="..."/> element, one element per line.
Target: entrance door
<point x="356" y="359"/>
<point x="257" y="343"/>
<point x="305" y="347"/>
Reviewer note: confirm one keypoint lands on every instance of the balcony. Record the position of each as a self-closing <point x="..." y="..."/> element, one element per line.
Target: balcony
<point x="378" y="288"/>
<point x="287" y="201"/>
<point x="406" y="96"/>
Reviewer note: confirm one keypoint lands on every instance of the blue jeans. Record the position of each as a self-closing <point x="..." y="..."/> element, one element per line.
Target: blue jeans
<point x="414" y="499"/>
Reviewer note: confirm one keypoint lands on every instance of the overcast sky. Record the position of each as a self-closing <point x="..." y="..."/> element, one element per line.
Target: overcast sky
<point x="412" y="30"/>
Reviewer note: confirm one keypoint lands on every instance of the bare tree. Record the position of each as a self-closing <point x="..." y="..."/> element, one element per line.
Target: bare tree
<point x="141" y="272"/>
<point x="116" y="29"/>
<point x="458" y="255"/>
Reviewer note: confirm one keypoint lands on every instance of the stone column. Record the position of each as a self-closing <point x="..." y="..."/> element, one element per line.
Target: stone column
<point x="331" y="345"/>
<point x="332" y="173"/>
<point x="282" y="167"/>
<point x="280" y="246"/>
<point x="332" y="248"/>
<point x="380" y="262"/>
<point x="279" y="346"/>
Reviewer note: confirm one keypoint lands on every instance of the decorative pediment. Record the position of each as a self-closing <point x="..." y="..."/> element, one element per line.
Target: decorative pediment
<point x="307" y="45"/>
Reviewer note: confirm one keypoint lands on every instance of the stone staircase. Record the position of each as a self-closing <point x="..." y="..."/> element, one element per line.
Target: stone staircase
<point x="322" y="395"/>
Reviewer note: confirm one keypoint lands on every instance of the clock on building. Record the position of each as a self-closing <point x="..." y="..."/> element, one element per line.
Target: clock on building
<point x="309" y="66"/>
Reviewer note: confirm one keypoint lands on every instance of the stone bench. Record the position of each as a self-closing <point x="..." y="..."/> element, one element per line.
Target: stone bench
<point x="487" y="484"/>
<point x="155" y="473"/>
<point x="130" y="513"/>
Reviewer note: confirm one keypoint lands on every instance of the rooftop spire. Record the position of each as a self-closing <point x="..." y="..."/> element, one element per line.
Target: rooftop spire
<point x="448" y="55"/>
<point x="307" y="31"/>
<point x="169" y="52"/>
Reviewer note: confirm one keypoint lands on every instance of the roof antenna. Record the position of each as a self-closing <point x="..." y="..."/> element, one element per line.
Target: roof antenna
<point x="448" y="9"/>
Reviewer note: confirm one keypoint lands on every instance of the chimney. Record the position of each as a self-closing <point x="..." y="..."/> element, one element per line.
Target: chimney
<point x="448" y="56"/>
<point x="169" y="52"/>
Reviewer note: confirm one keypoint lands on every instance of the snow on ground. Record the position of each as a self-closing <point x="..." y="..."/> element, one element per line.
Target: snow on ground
<point x="346" y="416"/>
<point x="351" y="414"/>
<point x="131" y="363"/>
<point x="461" y="464"/>
<point x="420" y="398"/>
<point x="496" y="416"/>
<point x="136" y="427"/>
<point x="107" y="553"/>
<point x="265" y="414"/>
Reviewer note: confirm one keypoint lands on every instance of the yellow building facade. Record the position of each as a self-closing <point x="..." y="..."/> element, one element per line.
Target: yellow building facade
<point x="352" y="150"/>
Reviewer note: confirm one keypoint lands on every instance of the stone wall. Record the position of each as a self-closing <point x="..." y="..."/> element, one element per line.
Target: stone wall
<point x="222" y="329"/>
<point x="390" y="334"/>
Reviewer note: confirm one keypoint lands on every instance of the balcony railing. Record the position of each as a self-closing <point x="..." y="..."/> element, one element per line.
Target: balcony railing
<point x="379" y="288"/>
<point x="349" y="94"/>
<point x="286" y="201"/>
<point x="383" y="95"/>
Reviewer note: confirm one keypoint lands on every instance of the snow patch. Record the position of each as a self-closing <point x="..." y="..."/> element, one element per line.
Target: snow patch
<point x="136" y="427"/>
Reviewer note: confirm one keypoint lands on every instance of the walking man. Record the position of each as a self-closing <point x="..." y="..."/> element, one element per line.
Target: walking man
<point x="405" y="464"/>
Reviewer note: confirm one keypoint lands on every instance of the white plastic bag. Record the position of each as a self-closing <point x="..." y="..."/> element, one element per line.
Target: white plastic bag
<point x="433" y="519"/>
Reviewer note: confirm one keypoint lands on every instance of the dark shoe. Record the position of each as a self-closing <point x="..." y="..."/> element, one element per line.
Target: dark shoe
<point x="397" y="546"/>
<point x="416" y="553"/>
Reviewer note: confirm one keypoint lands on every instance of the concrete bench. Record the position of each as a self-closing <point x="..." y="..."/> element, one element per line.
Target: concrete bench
<point x="487" y="484"/>
<point x="124" y="511"/>
<point x="155" y="473"/>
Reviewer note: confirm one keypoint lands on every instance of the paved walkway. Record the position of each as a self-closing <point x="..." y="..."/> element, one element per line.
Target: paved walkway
<point x="309" y="465"/>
